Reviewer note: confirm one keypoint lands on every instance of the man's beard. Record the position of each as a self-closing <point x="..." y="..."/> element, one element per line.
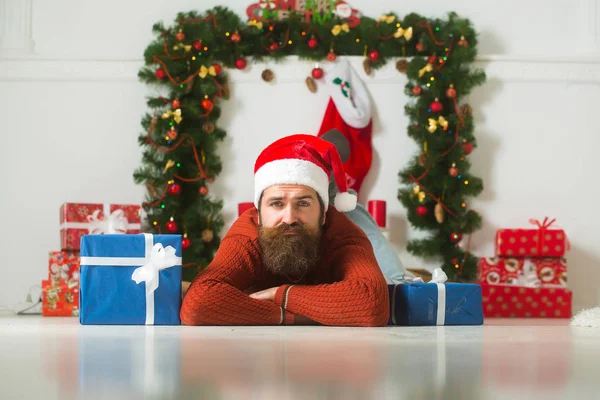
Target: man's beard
<point x="291" y="255"/>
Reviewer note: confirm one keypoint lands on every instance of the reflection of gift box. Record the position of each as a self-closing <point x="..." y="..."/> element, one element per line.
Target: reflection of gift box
<point x="130" y="279"/>
<point x="59" y="300"/>
<point x="435" y="304"/>
<point x="500" y="270"/>
<point x="541" y="242"/>
<point x="64" y="267"/>
<point x="509" y="301"/>
<point x="78" y="219"/>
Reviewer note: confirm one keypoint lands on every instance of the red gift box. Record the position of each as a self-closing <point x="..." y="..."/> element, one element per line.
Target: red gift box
<point x="500" y="270"/>
<point x="60" y="299"/>
<point x="541" y="242"/>
<point x="78" y="219"/>
<point x="63" y="267"/>
<point x="507" y="301"/>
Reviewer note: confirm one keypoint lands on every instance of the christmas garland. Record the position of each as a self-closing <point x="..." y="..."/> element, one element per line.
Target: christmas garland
<point x="186" y="61"/>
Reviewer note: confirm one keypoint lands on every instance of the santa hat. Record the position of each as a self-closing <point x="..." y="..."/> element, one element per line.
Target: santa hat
<point x="303" y="160"/>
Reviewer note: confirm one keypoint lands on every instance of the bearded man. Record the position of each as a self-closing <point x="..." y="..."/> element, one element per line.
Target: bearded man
<point x="293" y="259"/>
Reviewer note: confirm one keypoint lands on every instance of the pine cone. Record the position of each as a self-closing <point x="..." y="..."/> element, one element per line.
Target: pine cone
<point x="402" y="66"/>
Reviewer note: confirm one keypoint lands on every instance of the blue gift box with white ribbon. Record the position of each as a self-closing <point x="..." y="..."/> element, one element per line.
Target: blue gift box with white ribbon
<point x="435" y="303"/>
<point x="130" y="279"/>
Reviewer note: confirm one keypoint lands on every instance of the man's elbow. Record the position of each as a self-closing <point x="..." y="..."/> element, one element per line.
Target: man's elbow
<point x="195" y="309"/>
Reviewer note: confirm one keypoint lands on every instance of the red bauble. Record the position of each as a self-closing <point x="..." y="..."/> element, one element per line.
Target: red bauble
<point x="197" y="45"/>
<point x="419" y="47"/>
<point x="172" y="134"/>
<point x="422" y="211"/>
<point x="453" y="172"/>
<point x="455" y="237"/>
<point x="180" y="36"/>
<point x="416" y="90"/>
<point x="218" y="69"/>
<point x="174" y="189"/>
<point x="436" y="106"/>
<point x="160" y="74"/>
<point x="207" y="105"/>
<point x="203" y="190"/>
<point x="317" y="73"/>
<point x="186" y="243"/>
<point x="313" y="43"/>
<point x="451" y="92"/>
<point x="467" y="148"/>
<point x="240" y="63"/>
<point x="172" y="226"/>
<point x="331" y="56"/>
<point x="175" y="104"/>
<point x="432" y="59"/>
<point x="274" y="46"/>
<point x="235" y="37"/>
<point x="374" y="55"/>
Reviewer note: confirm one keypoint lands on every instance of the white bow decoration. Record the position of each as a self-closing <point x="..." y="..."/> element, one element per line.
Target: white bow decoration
<point x="438" y="277"/>
<point x="116" y="222"/>
<point x="528" y="277"/>
<point x="160" y="258"/>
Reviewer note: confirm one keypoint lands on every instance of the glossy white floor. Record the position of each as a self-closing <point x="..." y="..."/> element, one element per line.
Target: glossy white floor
<point x="56" y="358"/>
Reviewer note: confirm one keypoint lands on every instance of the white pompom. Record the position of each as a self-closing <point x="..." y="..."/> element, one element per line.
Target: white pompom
<point x="345" y="202"/>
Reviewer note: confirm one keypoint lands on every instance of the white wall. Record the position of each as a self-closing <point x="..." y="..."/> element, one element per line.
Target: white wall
<point x="76" y="100"/>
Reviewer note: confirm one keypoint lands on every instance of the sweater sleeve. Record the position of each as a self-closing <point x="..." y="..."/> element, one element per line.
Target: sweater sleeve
<point x="216" y="295"/>
<point x="359" y="296"/>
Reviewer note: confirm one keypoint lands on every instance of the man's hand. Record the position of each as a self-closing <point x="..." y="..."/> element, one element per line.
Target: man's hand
<point x="267" y="294"/>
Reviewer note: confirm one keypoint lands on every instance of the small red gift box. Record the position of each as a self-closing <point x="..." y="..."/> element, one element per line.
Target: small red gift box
<point x="541" y="242"/>
<point x="63" y="267"/>
<point x="507" y="301"/>
<point x="78" y="219"/>
<point x="60" y="299"/>
<point x="500" y="270"/>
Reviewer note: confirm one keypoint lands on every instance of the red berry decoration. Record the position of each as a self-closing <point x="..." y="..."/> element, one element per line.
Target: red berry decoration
<point x="203" y="190"/>
<point x="416" y="90"/>
<point x="218" y="69"/>
<point x="207" y="105"/>
<point x="180" y="36"/>
<point x="197" y="45"/>
<point x="313" y="43"/>
<point x="436" y="106"/>
<point x="175" y="104"/>
<point x="422" y="211"/>
<point x="174" y="189"/>
<point x="186" y="243"/>
<point x="451" y="92"/>
<point x="419" y="47"/>
<point x="274" y="46"/>
<point x="331" y="56"/>
<point x="172" y="226"/>
<point x="240" y="63"/>
<point x="432" y="59"/>
<point x="374" y="55"/>
<point x="455" y="237"/>
<point x="317" y="73"/>
<point x="467" y="148"/>
<point x="160" y="74"/>
<point x="453" y="171"/>
<point x="172" y="134"/>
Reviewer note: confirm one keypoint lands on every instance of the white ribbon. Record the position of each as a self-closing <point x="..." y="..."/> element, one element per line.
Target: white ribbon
<point x="528" y="276"/>
<point x="156" y="259"/>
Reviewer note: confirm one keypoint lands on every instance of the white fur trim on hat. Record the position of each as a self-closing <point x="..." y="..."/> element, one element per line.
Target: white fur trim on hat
<point x="353" y="103"/>
<point x="291" y="172"/>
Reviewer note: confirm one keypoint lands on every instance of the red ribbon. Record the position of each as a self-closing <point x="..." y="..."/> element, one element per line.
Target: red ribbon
<point x="542" y="227"/>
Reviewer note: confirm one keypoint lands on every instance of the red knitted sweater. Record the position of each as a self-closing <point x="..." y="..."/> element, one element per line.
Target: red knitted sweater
<point x="346" y="288"/>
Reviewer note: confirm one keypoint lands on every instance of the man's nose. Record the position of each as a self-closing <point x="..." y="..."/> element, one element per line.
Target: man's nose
<point x="290" y="216"/>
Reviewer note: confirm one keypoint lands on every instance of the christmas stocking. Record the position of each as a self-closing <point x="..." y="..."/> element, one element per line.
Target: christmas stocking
<point x="349" y="111"/>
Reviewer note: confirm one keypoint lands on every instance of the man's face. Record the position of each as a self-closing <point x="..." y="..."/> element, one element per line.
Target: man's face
<point x="290" y="229"/>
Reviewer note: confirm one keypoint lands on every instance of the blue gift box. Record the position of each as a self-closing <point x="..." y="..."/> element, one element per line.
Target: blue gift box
<point x="108" y="293"/>
<point x="435" y="304"/>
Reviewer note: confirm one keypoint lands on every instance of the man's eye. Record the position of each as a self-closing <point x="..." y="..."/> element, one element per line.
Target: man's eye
<point x="304" y="204"/>
<point x="276" y="204"/>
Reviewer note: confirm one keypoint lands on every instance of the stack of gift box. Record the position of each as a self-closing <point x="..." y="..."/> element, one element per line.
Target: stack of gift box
<point x="60" y="292"/>
<point x="528" y="276"/>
